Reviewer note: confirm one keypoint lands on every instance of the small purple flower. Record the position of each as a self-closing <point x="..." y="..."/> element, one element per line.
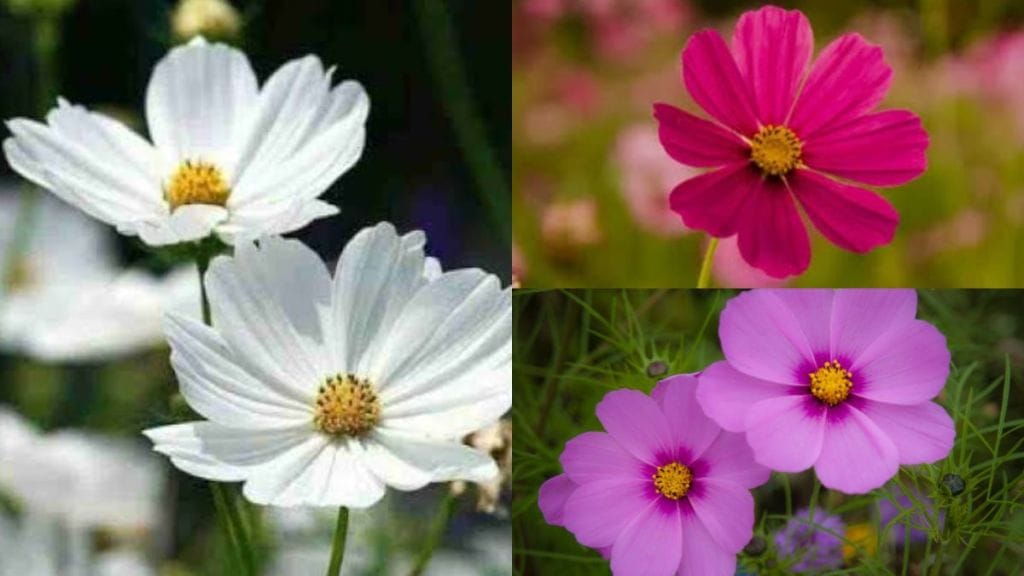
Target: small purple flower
<point x="665" y="491"/>
<point x="841" y="380"/>
<point x="819" y="546"/>
<point x="889" y="510"/>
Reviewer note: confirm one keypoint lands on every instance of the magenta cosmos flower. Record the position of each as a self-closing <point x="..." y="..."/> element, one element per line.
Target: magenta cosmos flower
<point x="839" y="380"/>
<point x="664" y="491"/>
<point x="784" y="132"/>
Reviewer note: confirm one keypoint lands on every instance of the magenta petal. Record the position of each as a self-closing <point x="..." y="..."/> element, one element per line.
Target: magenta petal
<point x="773" y="47"/>
<point x="856" y="456"/>
<point x="695" y="141"/>
<point x="884" y="149"/>
<point x="852" y="218"/>
<point x="772" y="237"/>
<point x="786" y="433"/>
<point x="761" y="336"/>
<point x="713" y="202"/>
<point x="908" y="365"/>
<point x="635" y="421"/>
<point x="715" y="84"/>
<point x="861" y="317"/>
<point x="730" y="459"/>
<point x="552" y="497"/>
<point x="702" y="556"/>
<point x="690" y="427"/>
<point x="649" y="546"/>
<point x="922" y="433"/>
<point x="596" y="513"/>
<point x="849" y="78"/>
<point x="725" y="394"/>
<point x="726" y="509"/>
<point x="594" y="456"/>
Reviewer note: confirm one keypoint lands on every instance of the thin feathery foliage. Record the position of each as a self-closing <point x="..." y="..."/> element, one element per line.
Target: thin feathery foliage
<point x="961" y="515"/>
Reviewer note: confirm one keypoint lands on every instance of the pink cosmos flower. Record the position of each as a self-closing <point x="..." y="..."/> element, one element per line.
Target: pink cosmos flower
<point x="664" y="491"/>
<point x="839" y="380"/>
<point x="783" y="132"/>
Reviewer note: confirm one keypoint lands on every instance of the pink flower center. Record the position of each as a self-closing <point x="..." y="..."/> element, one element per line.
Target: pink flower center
<point x="831" y="384"/>
<point x="776" y="150"/>
<point x="673" y="480"/>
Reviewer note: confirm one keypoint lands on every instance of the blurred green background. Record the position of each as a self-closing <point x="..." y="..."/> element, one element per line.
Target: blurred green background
<point x="572" y="347"/>
<point x="590" y="181"/>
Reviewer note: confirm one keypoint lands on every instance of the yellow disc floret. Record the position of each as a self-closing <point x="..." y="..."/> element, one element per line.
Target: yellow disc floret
<point x="197" y="182"/>
<point x="673" y="480"/>
<point x="346" y="406"/>
<point x="776" y="150"/>
<point x="831" y="383"/>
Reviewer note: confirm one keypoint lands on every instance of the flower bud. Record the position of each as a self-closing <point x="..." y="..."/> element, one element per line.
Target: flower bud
<point x="656" y="369"/>
<point x="954" y="483"/>
<point x="216" y="19"/>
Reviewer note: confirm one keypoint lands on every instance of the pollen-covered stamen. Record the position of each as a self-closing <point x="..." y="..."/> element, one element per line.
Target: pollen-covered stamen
<point x="673" y="480"/>
<point x="346" y="406"/>
<point x="831" y="383"/>
<point x="776" y="150"/>
<point x="197" y="182"/>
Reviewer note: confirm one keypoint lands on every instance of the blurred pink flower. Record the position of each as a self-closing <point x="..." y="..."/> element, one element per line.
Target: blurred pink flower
<point x="732" y="271"/>
<point x="545" y="10"/>
<point x="578" y="90"/>
<point x="994" y="70"/>
<point x="966" y="229"/>
<point x="567" y="225"/>
<point x="647" y="176"/>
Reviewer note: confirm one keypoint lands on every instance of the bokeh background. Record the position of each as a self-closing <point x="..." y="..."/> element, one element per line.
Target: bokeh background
<point x="591" y="180"/>
<point x="83" y="365"/>
<point x="572" y="347"/>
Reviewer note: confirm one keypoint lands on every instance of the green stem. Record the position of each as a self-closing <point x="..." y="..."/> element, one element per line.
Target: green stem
<point x="454" y="92"/>
<point x="444" y="514"/>
<point x="224" y="499"/>
<point x="704" y="279"/>
<point x="814" y="500"/>
<point x="340" y="536"/>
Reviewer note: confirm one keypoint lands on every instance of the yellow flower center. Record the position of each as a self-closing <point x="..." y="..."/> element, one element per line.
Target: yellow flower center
<point x="673" y="480"/>
<point x="20" y="276"/>
<point x="831" y="383"/>
<point x="197" y="182"/>
<point x="346" y="406"/>
<point x="776" y="150"/>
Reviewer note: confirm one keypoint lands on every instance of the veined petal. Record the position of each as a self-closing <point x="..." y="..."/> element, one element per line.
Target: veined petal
<point x="702" y="556"/>
<point x="636" y="422"/>
<point x="772" y="48"/>
<point x="786" y="433"/>
<point x="648" y="546"/>
<point x="856" y="455"/>
<point x="408" y="462"/>
<point x="763" y="336"/>
<point x="597" y="512"/>
<point x="248" y="225"/>
<point x="726" y="509"/>
<point x="186" y="224"/>
<point x="852" y="218"/>
<point x="725" y="394"/>
<point x="715" y="201"/>
<point x="552" y="498"/>
<point x="715" y="83"/>
<point x="861" y="317"/>
<point x="199" y="102"/>
<point x="772" y="237"/>
<point x="884" y="149"/>
<point x="695" y="141"/>
<point x="922" y="433"/>
<point x="595" y="456"/>
<point x="907" y="365"/>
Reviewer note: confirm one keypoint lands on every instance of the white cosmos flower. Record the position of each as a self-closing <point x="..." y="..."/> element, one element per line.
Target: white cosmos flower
<point x="226" y="156"/>
<point x="321" y="394"/>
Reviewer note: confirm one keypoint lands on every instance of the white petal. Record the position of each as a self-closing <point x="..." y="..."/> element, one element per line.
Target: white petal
<point x="218" y="388"/>
<point x="186" y="224"/>
<point x="215" y="452"/>
<point x="432" y="269"/>
<point x="268" y="304"/>
<point x="376" y="275"/>
<point x="442" y="461"/>
<point x="247" y="225"/>
<point x="200" y="101"/>
<point x="455" y="408"/>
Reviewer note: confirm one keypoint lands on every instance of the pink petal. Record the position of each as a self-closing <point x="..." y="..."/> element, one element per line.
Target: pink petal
<point x="884" y="149"/>
<point x="849" y="78"/>
<point x="635" y="421"/>
<point x="596" y="513"/>
<point x="908" y="365"/>
<point x="552" y="497"/>
<point x="861" y="317"/>
<point x="773" y="47"/>
<point x="812" y="309"/>
<point x="695" y="141"/>
<point x="702" y="556"/>
<point x="650" y="544"/>
<point x="725" y="394"/>
<point x="852" y="218"/>
<point x="771" y="235"/>
<point x="786" y="433"/>
<point x="726" y="509"/>
<point x="715" y="84"/>
<point x="712" y="202"/>
<point x="922" y="433"/>
<point x="594" y="456"/>
<point x="856" y="455"/>
<point x="762" y="337"/>
<point x="691" y="428"/>
<point x="730" y="459"/>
